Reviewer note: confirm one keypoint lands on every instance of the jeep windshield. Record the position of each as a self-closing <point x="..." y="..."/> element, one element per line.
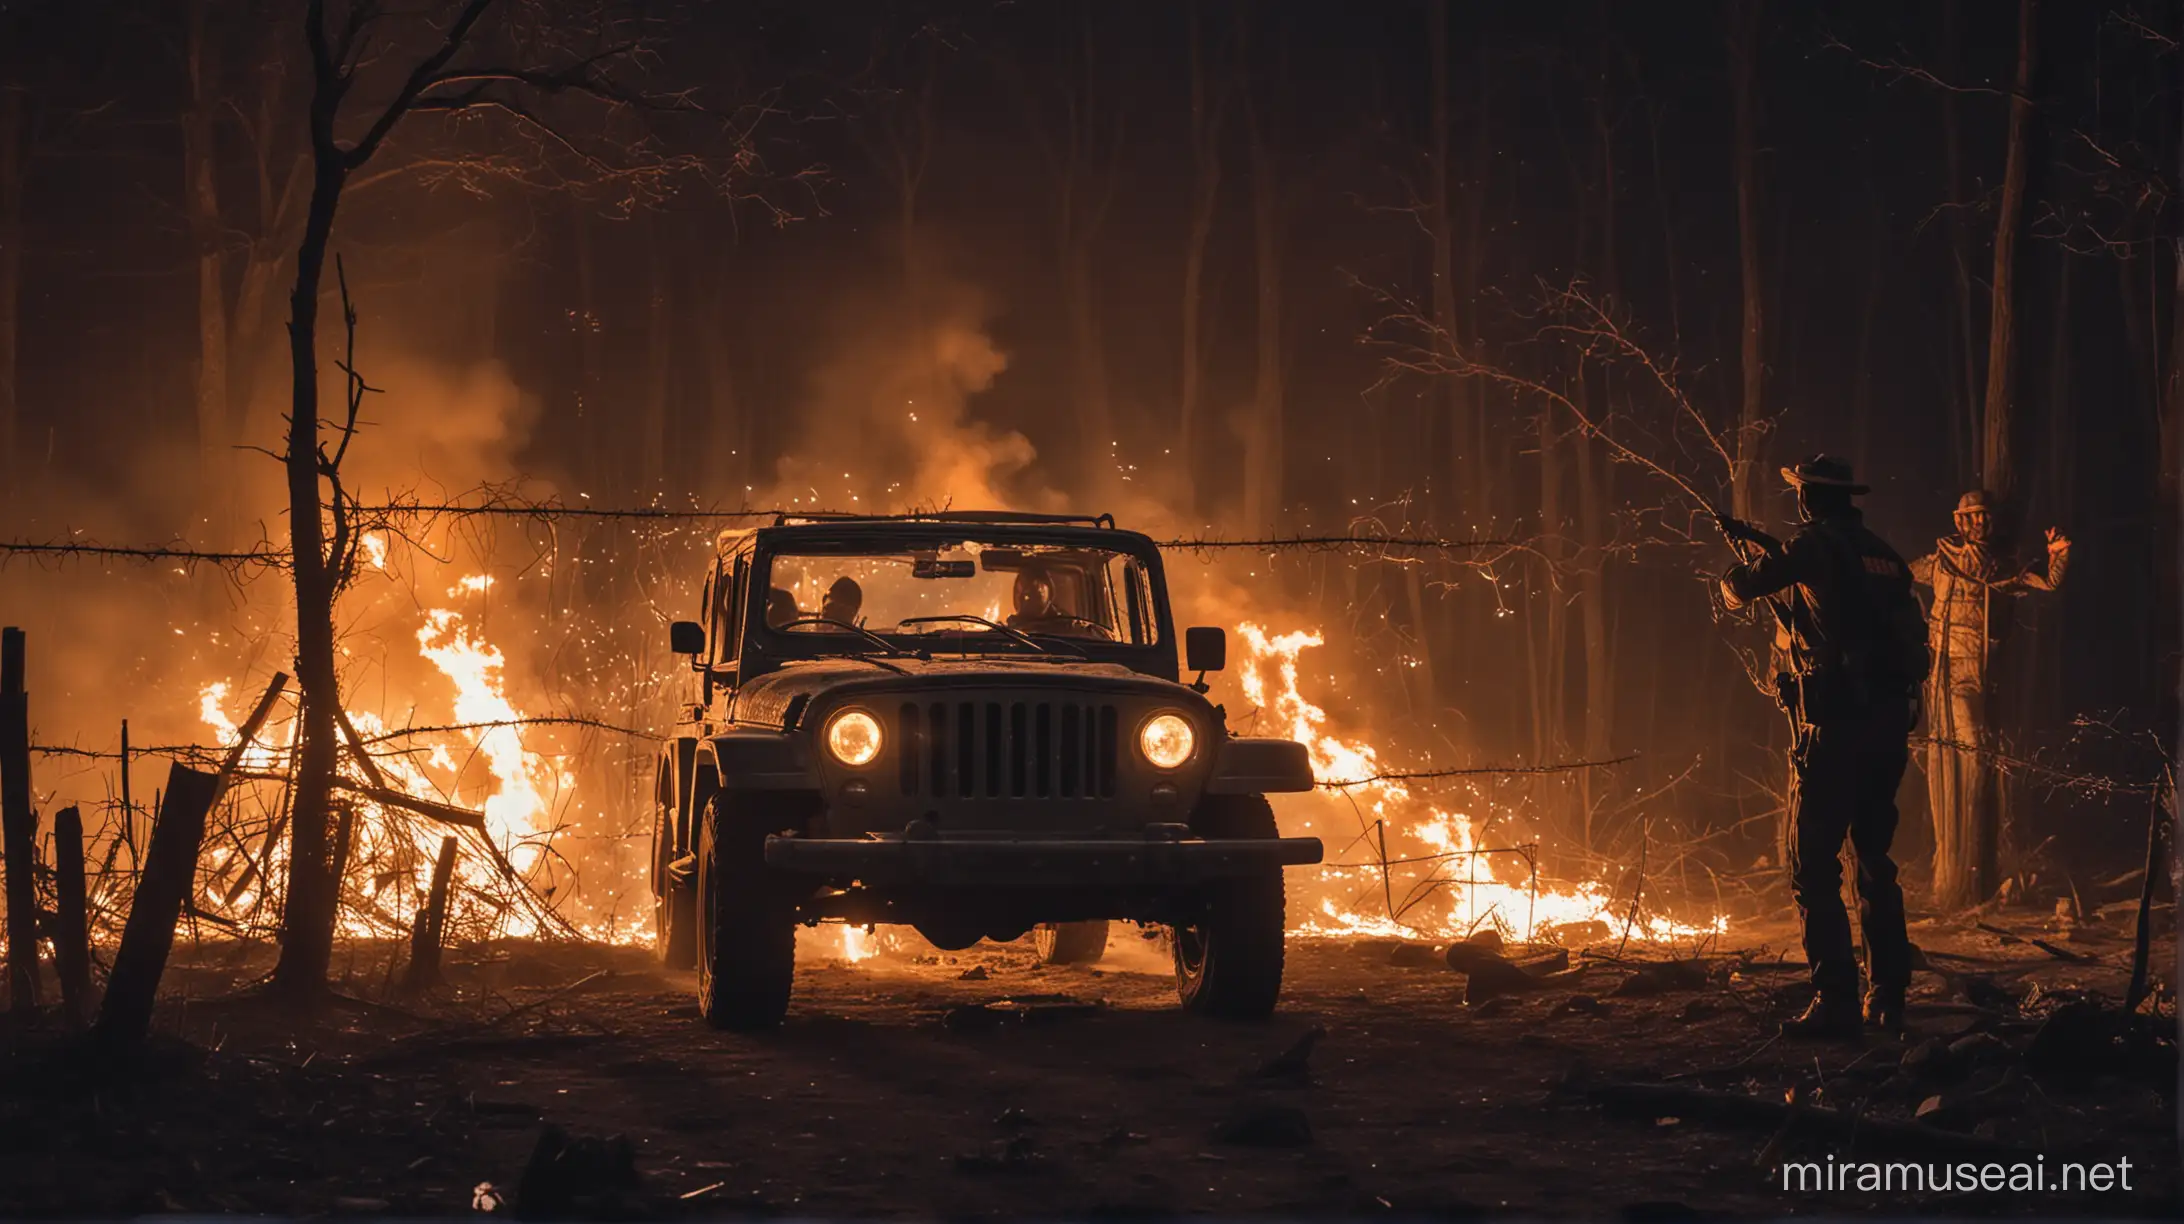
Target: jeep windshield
<point x="962" y="596"/>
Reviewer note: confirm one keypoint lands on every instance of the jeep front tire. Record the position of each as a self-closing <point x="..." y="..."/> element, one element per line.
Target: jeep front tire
<point x="745" y="917"/>
<point x="1228" y="958"/>
<point x="1071" y="943"/>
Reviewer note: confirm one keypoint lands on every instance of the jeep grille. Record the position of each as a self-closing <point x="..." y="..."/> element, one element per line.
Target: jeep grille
<point x="1007" y="750"/>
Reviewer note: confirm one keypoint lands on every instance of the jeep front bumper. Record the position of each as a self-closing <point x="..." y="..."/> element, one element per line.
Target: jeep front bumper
<point x="1021" y="862"/>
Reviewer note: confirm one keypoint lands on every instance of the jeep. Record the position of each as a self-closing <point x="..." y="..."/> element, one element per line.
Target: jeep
<point x="971" y="724"/>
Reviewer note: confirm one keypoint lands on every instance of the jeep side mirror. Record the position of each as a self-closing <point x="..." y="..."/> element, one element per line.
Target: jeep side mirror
<point x="1205" y="648"/>
<point x="686" y="638"/>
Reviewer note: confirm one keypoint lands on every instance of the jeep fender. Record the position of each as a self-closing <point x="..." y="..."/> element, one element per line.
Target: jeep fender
<point x="1251" y="766"/>
<point x="756" y="760"/>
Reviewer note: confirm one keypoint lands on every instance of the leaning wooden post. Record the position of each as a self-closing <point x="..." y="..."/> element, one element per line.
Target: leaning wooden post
<point x="170" y="870"/>
<point x="72" y="936"/>
<point x="18" y="827"/>
<point x="424" y="965"/>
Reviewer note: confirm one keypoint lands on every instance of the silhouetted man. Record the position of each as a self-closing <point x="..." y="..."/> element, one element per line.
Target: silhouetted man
<point x="1857" y="656"/>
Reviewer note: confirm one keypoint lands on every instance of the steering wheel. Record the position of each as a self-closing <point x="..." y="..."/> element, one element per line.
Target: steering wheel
<point x="1103" y="631"/>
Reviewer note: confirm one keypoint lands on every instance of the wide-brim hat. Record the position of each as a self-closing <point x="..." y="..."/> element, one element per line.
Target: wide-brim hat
<point x="1824" y="470"/>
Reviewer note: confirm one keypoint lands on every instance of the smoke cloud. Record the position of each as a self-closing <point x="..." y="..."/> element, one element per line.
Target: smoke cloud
<point x="888" y="425"/>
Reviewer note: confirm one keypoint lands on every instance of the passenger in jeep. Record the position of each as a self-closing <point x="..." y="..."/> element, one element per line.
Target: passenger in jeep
<point x="781" y="608"/>
<point x="1037" y="611"/>
<point x="844" y="602"/>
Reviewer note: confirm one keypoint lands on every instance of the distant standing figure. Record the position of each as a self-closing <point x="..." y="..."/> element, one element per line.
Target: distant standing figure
<point x="1857" y="657"/>
<point x="1966" y="574"/>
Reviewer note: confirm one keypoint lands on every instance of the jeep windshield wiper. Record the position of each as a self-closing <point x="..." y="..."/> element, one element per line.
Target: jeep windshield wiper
<point x="1017" y="634"/>
<point x="859" y="630"/>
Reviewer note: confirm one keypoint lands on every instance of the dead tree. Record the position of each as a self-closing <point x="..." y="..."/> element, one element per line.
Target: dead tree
<point x="1997" y="425"/>
<point x="1209" y="106"/>
<point x="1744" y="66"/>
<point x="1077" y="122"/>
<point x="13" y="148"/>
<point x="1962" y="422"/>
<point x="1264" y="463"/>
<point x="459" y="75"/>
<point x="201" y="200"/>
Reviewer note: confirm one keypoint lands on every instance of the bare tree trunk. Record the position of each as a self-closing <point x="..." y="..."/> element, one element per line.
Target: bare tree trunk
<point x="1085" y="168"/>
<point x="12" y="156"/>
<point x="307" y="932"/>
<point x="1554" y="648"/>
<point x="1963" y="421"/>
<point x="593" y="418"/>
<point x="1263" y="437"/>
<point x="652" y="442"/>
<point x="1449" y="430"/>
<point x="283" y="182"/>
<point x="1207" y="107"/>
<point x="1594" y="496"/>
<point x="201" y="197"/>
<point x="1997" y="464"/>
<point x="1744" y="67"/>
<point x="1453" y="395"/>
<point x="1088" y="362"/>
<point x="2168" y="635"/>
<point x="1478" y="493"/>
<point x="913" y="151"/>
<point x="1861" y="387"/>
<point x="2046" y="690"/>
<point x="727" y="435"/>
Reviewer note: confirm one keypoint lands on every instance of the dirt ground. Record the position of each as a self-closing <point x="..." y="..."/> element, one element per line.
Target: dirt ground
<point x="982" y="1083"/>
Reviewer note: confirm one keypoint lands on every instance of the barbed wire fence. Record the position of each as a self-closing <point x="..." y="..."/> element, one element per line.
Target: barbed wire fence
<point x="239" y="891"/>
<point x="240" y="888"/>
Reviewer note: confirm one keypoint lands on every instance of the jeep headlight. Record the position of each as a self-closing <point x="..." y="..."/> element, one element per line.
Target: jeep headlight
<point x="1167" y="740"/>
<point x="853" y="736"/>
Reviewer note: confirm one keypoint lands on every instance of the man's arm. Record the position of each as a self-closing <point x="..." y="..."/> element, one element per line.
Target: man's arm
<point x="2046" y="577"/>
<point x="1773" y="572"/>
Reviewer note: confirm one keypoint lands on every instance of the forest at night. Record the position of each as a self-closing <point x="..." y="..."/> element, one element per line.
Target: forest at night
<point x="631" y="608"/>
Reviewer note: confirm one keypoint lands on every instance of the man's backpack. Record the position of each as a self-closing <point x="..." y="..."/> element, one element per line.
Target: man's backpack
<point x="1885" y="649"/>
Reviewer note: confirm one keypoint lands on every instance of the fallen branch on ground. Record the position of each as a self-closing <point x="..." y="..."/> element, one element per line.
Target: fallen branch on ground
<point x="1758" y="1113"/>
<point x="1423" y="774"/>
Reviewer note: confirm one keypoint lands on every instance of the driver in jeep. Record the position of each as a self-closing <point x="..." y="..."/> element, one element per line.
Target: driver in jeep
<point x="1037" y="611"/>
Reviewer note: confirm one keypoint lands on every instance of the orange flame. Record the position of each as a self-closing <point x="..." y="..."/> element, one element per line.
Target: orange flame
<point x="1478" y="884"/>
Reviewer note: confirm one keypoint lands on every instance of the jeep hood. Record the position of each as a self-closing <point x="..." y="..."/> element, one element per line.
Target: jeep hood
<point x="770" y="699"/>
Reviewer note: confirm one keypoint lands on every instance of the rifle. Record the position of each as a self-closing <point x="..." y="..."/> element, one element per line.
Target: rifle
<point x="1741" y="535"/>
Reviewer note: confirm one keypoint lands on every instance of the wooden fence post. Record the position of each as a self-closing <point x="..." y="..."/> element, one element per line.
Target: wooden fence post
<point x="72" y="935"/>
<point x="18" y="827"/>
<point x="128" y="809"/>
<point x="170" y="871"/>
<point x="431" y="925"/>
